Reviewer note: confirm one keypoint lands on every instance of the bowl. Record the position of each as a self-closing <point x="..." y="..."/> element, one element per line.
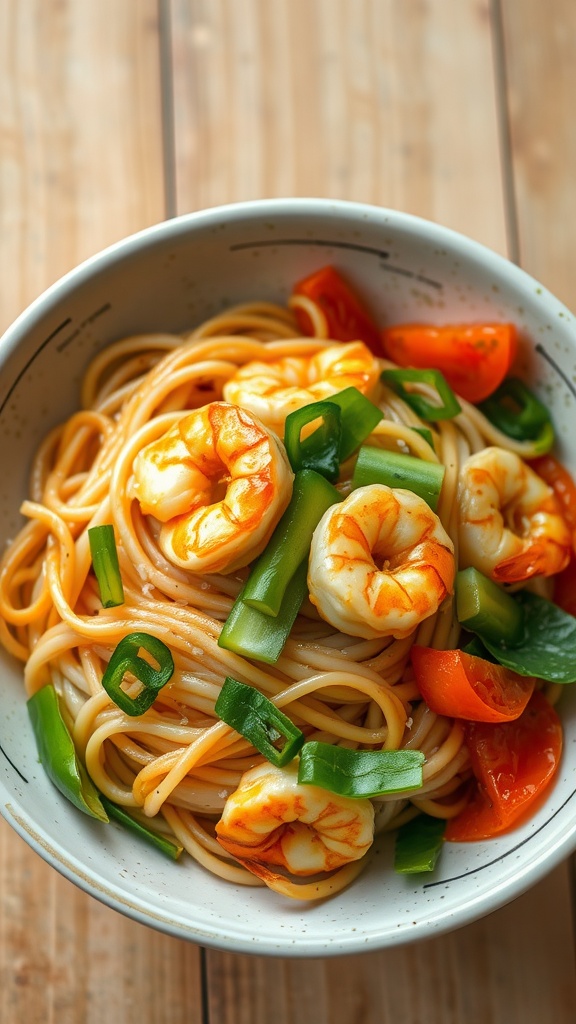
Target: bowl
<point x="168" y="278"/>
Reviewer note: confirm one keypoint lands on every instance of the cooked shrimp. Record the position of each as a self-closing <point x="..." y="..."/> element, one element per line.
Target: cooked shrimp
<point x="272" y="390"/>
<point x="380" y="563"/>
<point x="219" y="481"/>
<point x="273" y="819"/>
<point x="510" y="526"/>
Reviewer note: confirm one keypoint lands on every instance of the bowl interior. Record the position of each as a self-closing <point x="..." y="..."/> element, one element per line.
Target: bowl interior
<point x="170" y="278"/>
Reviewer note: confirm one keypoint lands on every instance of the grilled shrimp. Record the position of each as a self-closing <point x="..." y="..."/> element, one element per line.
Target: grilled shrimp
<point x="380" y="563"/>
<point x="273" y="819"/>
<point x="272" y="390"/>
<point x="511" y="526"/>
<point x="219" y="481"/>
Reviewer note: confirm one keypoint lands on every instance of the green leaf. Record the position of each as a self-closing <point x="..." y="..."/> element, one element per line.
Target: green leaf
<point x="360" y="773"/>
<point x="548" y="646"/>
<point x="418" y="845"/>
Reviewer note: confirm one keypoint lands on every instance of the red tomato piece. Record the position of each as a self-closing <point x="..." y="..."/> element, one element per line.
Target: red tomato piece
<point x="461" y="685"/>
<point x="558" y="478"/>
<point x="346" y="316"/>
<point x="474" y="358"/>
<point x="513" y="764"/>
<point x="565" y="588"/>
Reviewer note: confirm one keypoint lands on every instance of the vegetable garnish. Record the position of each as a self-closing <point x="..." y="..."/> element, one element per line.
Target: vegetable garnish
<point x="289" y="545"/>
<point x="360" y="773"/>
<point x="259" y="721"/>
<point x="319" y="450"/>
<point x="474" y="358"/>
<point x="379" y="466"/>
<point x="485" y="608"/>
<point x="359" y="417"/>
<point x="346" y="317"/>
<point x="516" y="411"/>
<point x="513" y="763"/>
<point x="58" y="755"/>
<point x="254" y="634"/>
<point x="105" y="563"/>
<point x="459" y="685"/>
<point x="126" y="659"/>
<point x="447" y="405"/>
<point x="565" y="588"/>
<point x="419" y="844"/>
<point x="169" y="847"/>
<point x="559" y="479"/>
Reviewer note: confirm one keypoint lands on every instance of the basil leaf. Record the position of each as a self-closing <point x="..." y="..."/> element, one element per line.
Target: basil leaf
<point x="548" y="646"/>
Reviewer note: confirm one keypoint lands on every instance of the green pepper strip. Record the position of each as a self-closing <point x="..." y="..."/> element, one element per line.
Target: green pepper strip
<point x="105" y="563"/>
<point x="484" y="607"/>
<point x="166" y="846"/>
<point x="271" y="573"/>
<point x="448" y="405"/>
<point x="254" y="634"/>
<point x="359" y="418"/>
<point x="418" y="845"/>
<point x="125" y="658"/>
<point x="516" y="411"/>
<point x="360" y="773"/>
<point x="319" y="451"/>
<point x="58" y="755"/>
<point x="259" y="721"/>
<point x="426" y="434"/>
<point x="377" y="465"/>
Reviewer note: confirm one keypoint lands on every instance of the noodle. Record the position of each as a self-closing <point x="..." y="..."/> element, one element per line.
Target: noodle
<point x="179" y="762"/>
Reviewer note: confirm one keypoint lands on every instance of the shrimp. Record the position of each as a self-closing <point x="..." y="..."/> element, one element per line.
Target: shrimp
<point x="511" y="526"/>
<point x="219" y="481"/>
<point x="273" y="390"/>
<point x="380" y="563"/>
<point x="273" y="819"/>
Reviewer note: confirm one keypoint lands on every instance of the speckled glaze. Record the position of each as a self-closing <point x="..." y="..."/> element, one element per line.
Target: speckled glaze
<point x="170" y="277"/>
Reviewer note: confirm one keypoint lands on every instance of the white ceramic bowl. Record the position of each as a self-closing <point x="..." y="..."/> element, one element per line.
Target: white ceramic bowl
<point x="170" y="277"/>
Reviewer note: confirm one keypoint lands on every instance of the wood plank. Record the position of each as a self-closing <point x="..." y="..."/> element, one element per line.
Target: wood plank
<point x="80" y="166"/>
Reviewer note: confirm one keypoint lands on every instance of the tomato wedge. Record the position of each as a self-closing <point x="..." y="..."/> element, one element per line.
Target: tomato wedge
<point x="558" y="478"/>
<point x="565" y="588"/>
<point x="346" y="316"/>
<point x="461" y="685"/>
<point x="513" y="764"/>
<point x="474" y="358"/>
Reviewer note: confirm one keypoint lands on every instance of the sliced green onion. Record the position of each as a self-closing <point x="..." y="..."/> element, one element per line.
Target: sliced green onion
<point x="58" y="755"/>
<point x="105" y="564"/>
<point x="485" y="608"/>
<point x="259" y="721"/>
<point x="447" y="406"/>
<point x="418" y="844"/>
<point x="126" y="659"/>
<point x="168" y="847"/>
<point x="320" y="450"/>
<point x="360" y="773"/>
<point x="359" y="418"/>
<point x="377" y="465"/>
<point x="254" y="634"/>
<point x="518" y="413"/>
<point x="271" y="573"/>
<point x="426" y="434"/>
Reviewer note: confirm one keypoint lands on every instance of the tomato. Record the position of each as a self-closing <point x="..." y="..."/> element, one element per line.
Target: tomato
<point x="474" y="358"/>
<point x="513" y="764"/>
<point x="559" y="479"/>
<point x="346" y="317"/>
<point x="565" y="588"/>
<point x="461" y="685"/>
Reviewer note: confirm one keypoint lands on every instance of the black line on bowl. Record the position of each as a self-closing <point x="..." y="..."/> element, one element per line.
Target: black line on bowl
<point x="27" y="365"/>
<point x="542" y="351"/>
<point x="488" y="864"/>
<point x="12" y="765"/>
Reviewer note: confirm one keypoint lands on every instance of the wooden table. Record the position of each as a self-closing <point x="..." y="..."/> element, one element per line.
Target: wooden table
<point x="115" y="114"/>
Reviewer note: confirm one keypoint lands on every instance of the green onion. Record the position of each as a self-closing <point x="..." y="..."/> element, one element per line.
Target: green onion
<point x="166" y="846"/>
<point x="360" y="773"/>
<point x="58" y="755"/>
<point x="126" y="658"/>
<point x="448" y="405"/>
<point x="254" y="634"/>
<point x="426" y="434"/>
<point x="418" y="845"/>
<point x="271" y="573"/>
<point x="485" y="608"/>
<point x="377" y="465"/>
<point x="319" y="451"/>
<point x="359" y="418"/>
<point x="518" y="413"/>
<point x="259" y="721"/>
<point x="105" y="564"/>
